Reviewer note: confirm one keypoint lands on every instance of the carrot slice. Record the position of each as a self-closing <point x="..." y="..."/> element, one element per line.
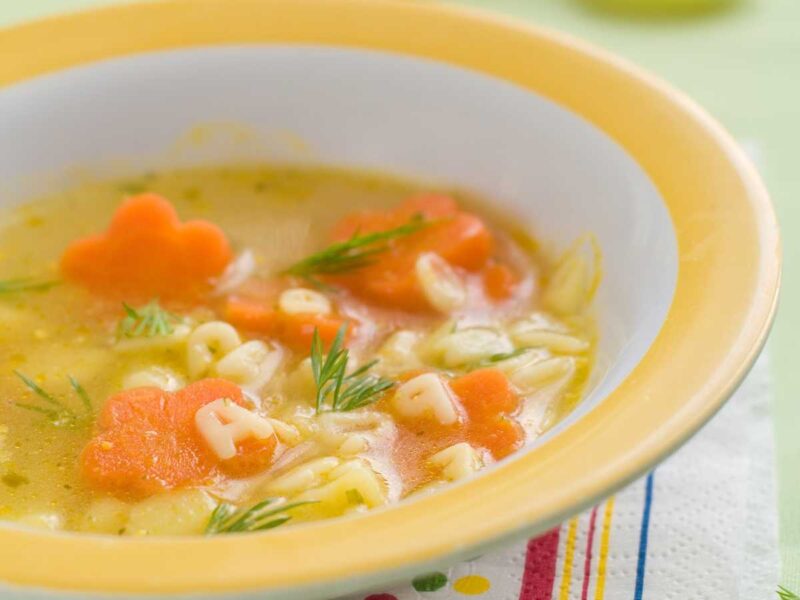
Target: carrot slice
<point x="251" y="315"/>
<point x="485" y="392"/>
<point x="147" y="252"/>
<point x="148" y="442"/>
<point x="489" y="398"/>
<point x="294" y="330"/>
<point x="499" y="281"/>
<point x="461" y="238"/>
<point x="297" y="330"/>
<point x="252" y="456"/>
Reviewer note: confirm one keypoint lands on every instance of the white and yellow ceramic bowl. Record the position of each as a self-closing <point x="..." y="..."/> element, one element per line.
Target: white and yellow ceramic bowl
<point x="565" y="137"/>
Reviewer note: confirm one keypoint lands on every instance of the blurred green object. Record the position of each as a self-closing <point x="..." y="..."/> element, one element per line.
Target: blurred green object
<point x="656" y="8"/>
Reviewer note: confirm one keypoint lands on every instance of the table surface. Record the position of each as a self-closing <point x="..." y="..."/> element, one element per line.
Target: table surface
<point x="743" y="65"/>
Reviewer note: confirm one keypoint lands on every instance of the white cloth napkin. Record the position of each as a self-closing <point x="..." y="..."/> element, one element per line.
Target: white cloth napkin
<point x="701" y="526"/>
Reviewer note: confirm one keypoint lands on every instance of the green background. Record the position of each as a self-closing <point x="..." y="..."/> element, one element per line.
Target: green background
<point x="743" y="64"/>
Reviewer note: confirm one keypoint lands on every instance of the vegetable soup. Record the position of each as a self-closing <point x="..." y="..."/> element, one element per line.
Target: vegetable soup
<point x="223" y="350"/>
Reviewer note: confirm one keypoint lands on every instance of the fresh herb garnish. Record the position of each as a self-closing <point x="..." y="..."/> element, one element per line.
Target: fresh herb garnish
<point x="226" y="518"/>
<point x="148" y="321"/>
<point x="335" y="388"/>
<point x="24" y="284"/>
<point x="785" y="594"/>
<point x="500" y="357"/>
<point x="352" y="254"/>
<point x="56" y="411"/>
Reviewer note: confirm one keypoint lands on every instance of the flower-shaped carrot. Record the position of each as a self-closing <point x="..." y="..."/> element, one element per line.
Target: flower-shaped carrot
<point x="460" y="238"/>
<point x="148" y="441"/>
<point x="147" y="252"/>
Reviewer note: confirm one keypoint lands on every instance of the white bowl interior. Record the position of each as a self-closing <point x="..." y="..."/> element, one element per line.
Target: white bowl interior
<point x="556" y="173"/>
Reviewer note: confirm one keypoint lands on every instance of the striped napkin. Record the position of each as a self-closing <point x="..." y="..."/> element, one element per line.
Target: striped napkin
<point x="700" y="526"/>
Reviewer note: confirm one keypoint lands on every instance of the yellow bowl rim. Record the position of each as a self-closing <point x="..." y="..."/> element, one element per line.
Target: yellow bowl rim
<point x="729" y="274"/>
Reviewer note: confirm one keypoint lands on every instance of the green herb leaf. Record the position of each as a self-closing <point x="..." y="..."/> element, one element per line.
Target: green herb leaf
<point x="87" y="402"/>
<point x="429" y="582"/>
<point x="352" y="254"/>
<point x="335" y="388"/>
<point x="148" y="321"/>
<point x="496" y="358"/>
<point x="24" y="284"/>
<point x="785" y="594"/>
<point x="56" y="411"/>
<point x="226" y="518"/>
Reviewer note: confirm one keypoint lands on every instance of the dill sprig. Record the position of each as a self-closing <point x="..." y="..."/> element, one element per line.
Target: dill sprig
<point x="500" y="357"/>
<point x="785" y="594"/>
<point x="56" y="411"/>
<point x="335" y="388"/>
<point x="148" y="321"/>
<point x="24" y="284"/>
<point x="354" y="253"/>
<point x="226" y="518"/>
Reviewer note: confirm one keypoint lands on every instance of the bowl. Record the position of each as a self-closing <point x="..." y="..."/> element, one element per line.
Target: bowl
<point x="563" y="137"/>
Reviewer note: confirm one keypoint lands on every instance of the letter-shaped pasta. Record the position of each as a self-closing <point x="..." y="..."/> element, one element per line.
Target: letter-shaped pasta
<point x="288" y="434"/>
<point x="536" y="332"/>
<point x="528" y="357"/>
<point x="354" y="475"/>
<point x="534" y="374"/>
<point x="154" y="376"/>
<point x="574" y="279"/>
<point x="302" y="477"/>
<point x="442" y="286"/>
<point x="457" y="461"/>
<point x="251" y="365"/>
<point x="304" y="301"/>
<point x="397" y="353"/>
<point x="206" y="341"/>
<point x="353" y="444"/>
<point x="350" y="433"/>
<point x="471" y="345"/>
<point x="426" y="395"/>
<point x="223" y="423"/>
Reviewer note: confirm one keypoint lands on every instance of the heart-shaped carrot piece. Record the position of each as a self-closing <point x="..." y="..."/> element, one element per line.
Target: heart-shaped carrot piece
<point x="147" y="252"/>
<point x="147" y="442"/>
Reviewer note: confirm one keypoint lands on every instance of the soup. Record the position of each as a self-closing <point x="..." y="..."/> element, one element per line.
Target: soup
<point x="223" y="350"/>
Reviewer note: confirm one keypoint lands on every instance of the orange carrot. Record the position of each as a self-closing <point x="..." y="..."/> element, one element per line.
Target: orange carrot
<point x="461" y="238"/>
<point x="498" y="281"/>
<point x="485" y="392"/>
<point x="297" y="330"/>
<point x="252" y="456"/>
<point x="147" y="252"/>
<point x="251" y="315"/>
<point x="294" y="330"/>
<point x="148" y="442"/>
<point x="500" y="437"/>
<point x="489" y="399"/>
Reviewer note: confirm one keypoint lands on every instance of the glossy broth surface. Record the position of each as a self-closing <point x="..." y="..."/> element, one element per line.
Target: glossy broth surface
<point x="353" y="460"/>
